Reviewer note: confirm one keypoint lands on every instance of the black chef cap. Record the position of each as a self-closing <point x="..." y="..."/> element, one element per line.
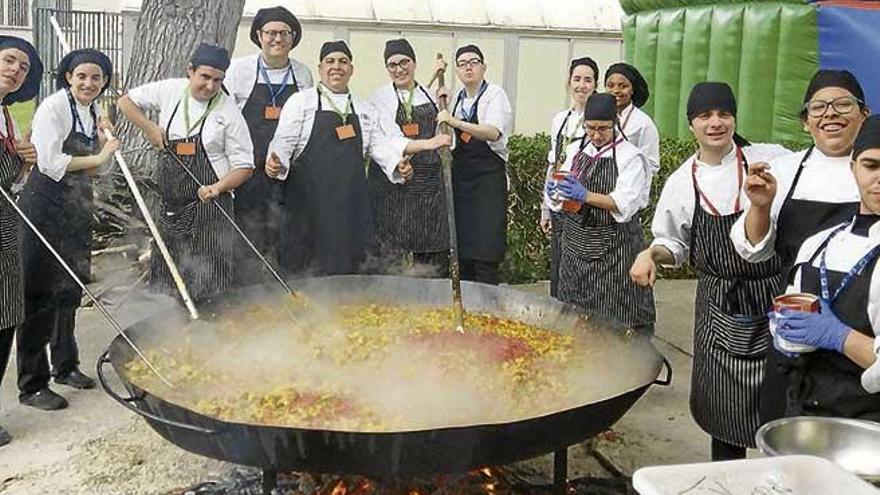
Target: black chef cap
<point x="584" y="61"/>
<point x="31" y="85"/>
<point x="601" y="106"/>
<point x="335" y="46"/>
<point x="399" y="47"/>
<point x="273" y="14"/>
<point x="869" y="136"/>
<point x="84" y="56"/>
<point x="829" y="78"/>
<point x="210" y="55"/>
<point x="469" y="49"/>
<point x="708" y="96"/>
<point x="640" y="86"/>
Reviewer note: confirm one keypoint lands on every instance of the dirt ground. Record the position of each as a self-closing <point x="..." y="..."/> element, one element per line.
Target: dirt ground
<point x="96" y="447"/>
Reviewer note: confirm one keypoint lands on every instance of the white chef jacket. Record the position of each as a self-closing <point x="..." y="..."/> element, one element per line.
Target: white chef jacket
<point x="52" y="123"/>
<point x="826" y="179"/>
<point x="243" y="74"/>
<point x="843" y="252"/>
<point x="640" y="130"/>
<point x="673" y="217"/>
<point x="494" y="110"/>
<point x="385" y="101"/>
<point x="298" y="118"/>
<point x="225" y="136"/>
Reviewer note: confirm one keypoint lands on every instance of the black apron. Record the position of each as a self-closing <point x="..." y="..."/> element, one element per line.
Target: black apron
<point x="597" y="252"/>
<point x="64" y="212"/>
<point x="827" y="383"/>
<point x="798" y="220"/>
<point x="11" y="280"/>
<point x="257" y="201"/>
<point x="731" y="335"/>
<point x="411" y="217"/>
<point x="327" y="225"/>
<point x="479" y="183"/>
<point x="200" y="239"/>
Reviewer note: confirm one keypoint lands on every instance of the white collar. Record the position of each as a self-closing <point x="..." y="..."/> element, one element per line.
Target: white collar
<point x="726" y="160"/>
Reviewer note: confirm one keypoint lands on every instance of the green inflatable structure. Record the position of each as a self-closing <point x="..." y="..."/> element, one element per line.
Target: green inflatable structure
<point x="766" y="51"/>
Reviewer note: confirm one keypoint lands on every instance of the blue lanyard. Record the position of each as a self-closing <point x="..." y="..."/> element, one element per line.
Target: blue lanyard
<point x="469" y="114"/>
<point x="850" y="276"/>
<point x="273" y="93"/>
<point x="78" y="121"/>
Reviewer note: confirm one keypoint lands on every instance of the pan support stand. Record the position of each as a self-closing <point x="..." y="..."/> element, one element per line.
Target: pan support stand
<point x="270" y="481"/>
<point x="560" y="472"/>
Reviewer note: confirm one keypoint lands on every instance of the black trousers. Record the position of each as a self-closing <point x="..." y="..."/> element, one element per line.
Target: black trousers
<point x="480" y="271"/>
<point x="7" y="335"/>
<point x="723" y="451"/>
<point x="49" y="320"/>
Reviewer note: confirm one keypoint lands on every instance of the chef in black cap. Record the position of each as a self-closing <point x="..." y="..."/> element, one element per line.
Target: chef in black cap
<point x="482" y="119"/>
<point x="841" y="377"/>
<point x="261" y="83"/>
<point x="630" y="89"/>
<point x="410" y="217"/>
<point x="205" y="130"/>
<point x="609" y="180"/>
<point x="318" y="150"/>
<point x="797" y="195"/>
<point x="22" y="72"/>
<point x="700" y="202"/>
<point x="58" y="198"/>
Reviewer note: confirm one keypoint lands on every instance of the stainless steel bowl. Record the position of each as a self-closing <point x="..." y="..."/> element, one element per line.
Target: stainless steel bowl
<point x="850" y="443"/>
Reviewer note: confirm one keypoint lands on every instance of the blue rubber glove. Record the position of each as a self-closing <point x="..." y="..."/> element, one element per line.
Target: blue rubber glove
<point x="773" y="320"/>
<point x="823" y="329"/>
<point x="550" y="188"/>
<point x="573" y="190"/>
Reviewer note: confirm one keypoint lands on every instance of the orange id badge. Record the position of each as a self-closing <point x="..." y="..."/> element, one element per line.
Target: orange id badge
<point x="465" y="137"/>
<point x="186" y="149"/>
<point x="271" y="112"/>
<point x="344" y="132"/>
<point x="411" y="129"/>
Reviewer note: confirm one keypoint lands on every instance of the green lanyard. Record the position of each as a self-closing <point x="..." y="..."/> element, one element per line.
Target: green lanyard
<point x="408" y="104"/>
<point x="342" y="114"/>
<point x="211" y="105"/>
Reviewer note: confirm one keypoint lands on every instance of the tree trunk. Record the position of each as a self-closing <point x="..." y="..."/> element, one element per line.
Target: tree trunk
<point x="168" y="33"/>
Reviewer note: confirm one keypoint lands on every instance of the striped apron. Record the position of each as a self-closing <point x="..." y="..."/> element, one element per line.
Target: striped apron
<point x="731" y="337"/>
<point x="596" y="254"/>
<point x="411" y="217"/>
<point x="201" y="241"/>
<point x="11" y="280"/>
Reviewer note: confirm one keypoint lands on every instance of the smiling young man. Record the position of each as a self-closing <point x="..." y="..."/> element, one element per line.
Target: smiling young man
<point x="261" y="83"/>
<point x="318" y="150"/>
<point x="798" y="195"/>
<point x="483" y="120"/>
<point x="410" y="217"/>
<point x="699" y="203"/>
<point x="202" y="128"/>
<point x="841" y="378"/>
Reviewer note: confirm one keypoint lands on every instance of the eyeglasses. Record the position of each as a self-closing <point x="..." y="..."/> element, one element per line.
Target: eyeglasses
<point x="841" y="106"/>
<point x="474" y="62"/>
<point x="272" y="34"/>
<point x="598" y="129"/>
<point x="403" y="64"/>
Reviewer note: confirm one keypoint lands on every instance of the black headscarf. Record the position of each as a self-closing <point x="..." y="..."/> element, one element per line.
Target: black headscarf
<point x="335" y="46"/>
<point x="640" y="86"/>
<point x="210" y="55"/>
<point x="399" y="47"/>
<point x="869" y="136"/>
<point x="708" y="96"/>
<point x="470" y="49"/>
<point x="587" y="61"/>
<point x="601" y="106"/>
<point x="31" y="85"/>
<point x="829" y="78"/>
<point x="275" y="14"/>
<point x="84" y="56"/>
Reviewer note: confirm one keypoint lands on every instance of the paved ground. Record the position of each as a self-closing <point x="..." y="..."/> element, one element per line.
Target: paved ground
<point x="97" y="447"/>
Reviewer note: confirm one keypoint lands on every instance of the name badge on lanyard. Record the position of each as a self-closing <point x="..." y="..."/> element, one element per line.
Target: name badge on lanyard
<point x="186" y="149"/>
<point x="411" y="129"/>
<point x="855" y="271"/>
<point x="273" y="111"/>
<point x="469" y="115"/>
<point x="344" y="132"/>
<point x="465" y="137"/>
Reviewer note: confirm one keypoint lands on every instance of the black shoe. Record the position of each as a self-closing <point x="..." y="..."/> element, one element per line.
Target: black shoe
<point x="5" y="437"/>
<point x="76" y="379"/>
<point x="45" y="399"/>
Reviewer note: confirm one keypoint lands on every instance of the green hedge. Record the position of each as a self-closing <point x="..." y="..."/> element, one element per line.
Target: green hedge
<point x="528" y="249"/>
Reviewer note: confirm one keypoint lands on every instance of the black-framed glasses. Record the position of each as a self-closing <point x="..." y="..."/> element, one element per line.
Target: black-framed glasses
<point x="402" y="64"/>
<point x="474" y="62"/>
<point x="272" y="34"/>
<point x="599" y="129"/>
<point x="842" y="106"/>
